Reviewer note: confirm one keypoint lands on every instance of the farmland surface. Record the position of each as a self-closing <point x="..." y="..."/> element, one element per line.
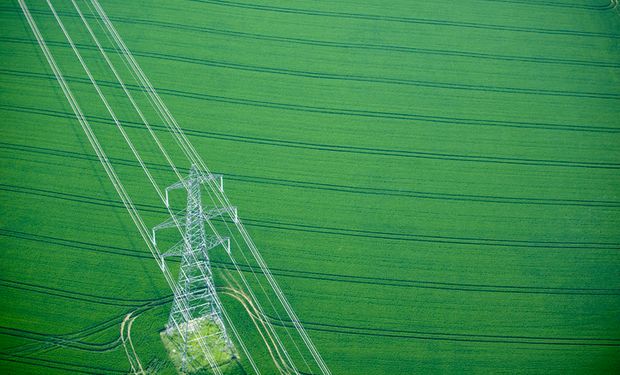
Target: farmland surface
<point x="435" y="185"/>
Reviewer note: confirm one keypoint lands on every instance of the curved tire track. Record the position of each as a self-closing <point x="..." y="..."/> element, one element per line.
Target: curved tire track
<point x="431" y="119"/>
<point x="408" y="20"/>
<point x="321" y="186"/>
<point x="442" y="336"/>
<point x="425" y="284"/>
<point x="336" y="76"/>
<point x="343" y="45"/>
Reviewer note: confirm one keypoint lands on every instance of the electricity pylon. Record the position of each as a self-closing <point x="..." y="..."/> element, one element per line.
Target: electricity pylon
<point x="196" y="316"/>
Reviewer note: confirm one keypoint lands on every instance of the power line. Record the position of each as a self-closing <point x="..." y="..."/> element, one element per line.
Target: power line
<point x="216" y="194"/>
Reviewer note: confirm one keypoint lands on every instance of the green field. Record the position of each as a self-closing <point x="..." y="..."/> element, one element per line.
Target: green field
<point x="434" y="185"/>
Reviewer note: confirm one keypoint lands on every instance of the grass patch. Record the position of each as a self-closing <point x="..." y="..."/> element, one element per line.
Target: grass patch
<point x="223" y="355"/>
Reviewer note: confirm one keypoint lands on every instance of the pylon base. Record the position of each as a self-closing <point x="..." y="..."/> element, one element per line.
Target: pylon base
<point x="196" y="362"/>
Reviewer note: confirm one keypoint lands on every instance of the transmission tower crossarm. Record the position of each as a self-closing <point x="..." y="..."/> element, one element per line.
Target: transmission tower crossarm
<point x="219" y="211"/>
<point x="203" y="179"/>
<point x="177" y="185"/>
<point x="171" y="222"/>
<point x="213" y="241"/>
<point x="175" y="251"/>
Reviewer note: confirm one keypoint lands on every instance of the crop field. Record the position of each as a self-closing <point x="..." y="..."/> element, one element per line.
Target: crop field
<point x="434" y="185"/>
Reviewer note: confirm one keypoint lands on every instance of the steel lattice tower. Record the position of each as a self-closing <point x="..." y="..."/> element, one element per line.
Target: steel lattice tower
<point x="196" y="304"/>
